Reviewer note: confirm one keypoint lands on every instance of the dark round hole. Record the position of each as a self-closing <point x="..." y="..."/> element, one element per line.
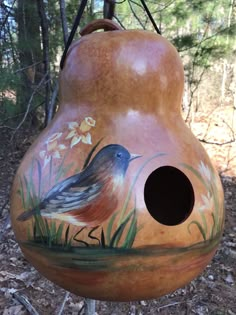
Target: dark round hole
<point x="169" y="195"/>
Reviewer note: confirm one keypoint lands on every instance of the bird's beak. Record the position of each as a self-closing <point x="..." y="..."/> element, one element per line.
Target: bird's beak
<point x="134" y="156"/>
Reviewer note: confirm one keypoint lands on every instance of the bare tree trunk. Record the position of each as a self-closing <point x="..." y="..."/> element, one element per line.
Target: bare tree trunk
<point x="225" y="62"/>
<point x="52" y="104"/>
<point x="45" y="41"/>
<point x="30" y="53"/>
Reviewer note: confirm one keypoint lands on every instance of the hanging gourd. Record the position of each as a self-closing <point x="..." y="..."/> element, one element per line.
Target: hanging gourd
<point x="116" y="199"/>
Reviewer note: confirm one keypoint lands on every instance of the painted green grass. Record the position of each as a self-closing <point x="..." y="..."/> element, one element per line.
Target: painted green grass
<point x="211" y="189"/>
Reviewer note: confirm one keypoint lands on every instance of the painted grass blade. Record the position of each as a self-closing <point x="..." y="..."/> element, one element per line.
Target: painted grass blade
<point x="29" y="199"/>
<point x="39" y="178"/>
<point x="197" y="174"/>
<point x="87" y="160"/>
<point x="204" y="222"/>
<point x="103" y="241"/>
<point x="213" y="227"/>
<point x="109" y="228"/>
<point x="133" y="184"/>
<point x="67" y="235"/>
<point x="31" y="182"/>
<point x="60" y="169"/>
<point x="22" y="193"/>
<point x="50" y="173"/>
<point x="118" y="233"/>
<point x="59" y="233"/>
<point x="199" y="227"/>
<point x="130" y="237"/>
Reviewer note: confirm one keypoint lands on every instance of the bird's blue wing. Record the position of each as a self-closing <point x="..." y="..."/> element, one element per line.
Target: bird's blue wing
<point x="58" y="188"/>
<point x="70" y="198"/>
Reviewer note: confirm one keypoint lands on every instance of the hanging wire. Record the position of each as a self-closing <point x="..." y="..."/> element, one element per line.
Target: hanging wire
<point x="80" y="14"/>
<point x="74" y="29"/>
<point x="150" y="16"/>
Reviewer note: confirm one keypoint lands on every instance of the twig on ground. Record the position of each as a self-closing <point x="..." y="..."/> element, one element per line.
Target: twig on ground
<point x="168" y="305"/>
<point x="60" y="312"/>
<point x="25" y="302"/>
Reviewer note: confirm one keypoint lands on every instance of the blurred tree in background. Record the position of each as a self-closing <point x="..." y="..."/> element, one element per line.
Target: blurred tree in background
<point x="33" y="35"/>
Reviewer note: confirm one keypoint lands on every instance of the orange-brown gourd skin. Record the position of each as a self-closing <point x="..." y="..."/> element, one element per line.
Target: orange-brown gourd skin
<point x="85" y="225"/>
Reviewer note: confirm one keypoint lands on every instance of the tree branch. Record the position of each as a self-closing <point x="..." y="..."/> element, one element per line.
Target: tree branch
<point x="28" y="106"/>
<point x="45" y="40"/>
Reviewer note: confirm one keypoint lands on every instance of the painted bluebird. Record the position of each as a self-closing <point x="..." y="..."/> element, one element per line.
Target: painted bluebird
<point x="89" y="197"/>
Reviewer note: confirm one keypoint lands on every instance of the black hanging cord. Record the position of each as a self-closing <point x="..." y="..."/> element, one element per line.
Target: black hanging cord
<point x="79" y="16"/>
<point x="74" y="29"/>
<point x="150" y="16"/>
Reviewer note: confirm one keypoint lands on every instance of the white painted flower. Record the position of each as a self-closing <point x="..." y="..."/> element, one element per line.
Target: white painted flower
<point x="87" y="124"/>
<point x="87" y="139"/>
<point x="208" y="202"/>
<point x="205" y="171"/>
<point x="80" y="132"/>
<point x="53" y="149"/>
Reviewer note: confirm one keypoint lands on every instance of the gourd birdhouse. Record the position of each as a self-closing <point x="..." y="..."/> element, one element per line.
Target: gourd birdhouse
<point x="116" y="199"/>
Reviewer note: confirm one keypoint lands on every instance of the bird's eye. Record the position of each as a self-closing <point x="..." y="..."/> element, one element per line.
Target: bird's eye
<point x="119" y="155"/>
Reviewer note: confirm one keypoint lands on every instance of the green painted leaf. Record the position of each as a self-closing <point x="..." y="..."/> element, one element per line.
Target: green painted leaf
<point x="60" y="168"/>
<point x="28" y="200"/>
<point x="109" y="228"/>
<point x="42" y="225"/>
<point x="103" y="241"/>
<point x="50" y="173"/>
<point x="199" y="227"/>
<point x="67" y="168"/>
<point x="118" y="233"/>
<point x="31" y="183"/>
<point x="52" y="228"/>
<point x="22" y="193"/>
<point x="59" y="233"/>
<point x="204" y="221"/>
<point x="130" y="237"/>
<point x="38" y="231"/>
<point x="48" y="233"/>
<point x="124" y="208"/>
<point x="67" y="235"/>
<point x="197" y="174"/>
<point x="214" y="226"/>
<point x="87" y="160"/>
<point x="39" y="178"/>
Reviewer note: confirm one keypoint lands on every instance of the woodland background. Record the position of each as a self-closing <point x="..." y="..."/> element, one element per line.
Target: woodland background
<point x="33" y="34"/>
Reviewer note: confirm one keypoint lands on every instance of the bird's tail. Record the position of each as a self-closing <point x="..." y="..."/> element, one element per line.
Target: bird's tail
<point x="26" y="215"/>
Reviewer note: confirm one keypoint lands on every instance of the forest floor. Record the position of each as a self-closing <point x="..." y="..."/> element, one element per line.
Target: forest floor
<point x="213" y="292"/>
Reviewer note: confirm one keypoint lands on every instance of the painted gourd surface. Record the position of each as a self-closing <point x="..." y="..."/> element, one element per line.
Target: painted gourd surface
<point x="116" y="199"/>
